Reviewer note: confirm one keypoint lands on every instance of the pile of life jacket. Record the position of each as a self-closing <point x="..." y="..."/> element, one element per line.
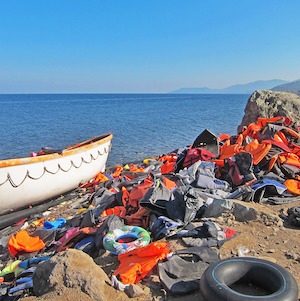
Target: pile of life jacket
<point x="166" y="194"/>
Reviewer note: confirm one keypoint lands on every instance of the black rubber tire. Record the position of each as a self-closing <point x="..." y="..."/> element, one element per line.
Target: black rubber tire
<point x="217" y="279"/>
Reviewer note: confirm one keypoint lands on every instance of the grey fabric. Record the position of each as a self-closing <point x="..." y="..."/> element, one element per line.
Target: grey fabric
<point x="217" y="207"/>
<point x="181" y="273"/>
<point x="184" y="204"/>
<point x="294" y="216"/>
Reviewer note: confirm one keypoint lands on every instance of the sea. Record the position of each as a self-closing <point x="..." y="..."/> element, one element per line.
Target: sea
<point x="143" y="125"/>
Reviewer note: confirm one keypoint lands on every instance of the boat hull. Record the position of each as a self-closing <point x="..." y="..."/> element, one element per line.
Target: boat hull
<point x="28" y="181"/>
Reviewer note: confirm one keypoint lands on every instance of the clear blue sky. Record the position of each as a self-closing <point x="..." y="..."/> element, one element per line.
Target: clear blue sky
<point x="115" y="46"/>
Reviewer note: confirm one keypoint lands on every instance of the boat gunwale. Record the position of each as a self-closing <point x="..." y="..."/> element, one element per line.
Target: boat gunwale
<point x="76" y="149"/>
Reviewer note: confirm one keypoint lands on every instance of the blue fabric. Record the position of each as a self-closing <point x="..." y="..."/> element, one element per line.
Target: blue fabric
<point x="165" y="226"/>
<point x="86" y="244"/>
<point x="23" y="283"/>
<point x="28" y="271"/>
<point x="55" y="224"/>
<point x="24" y="280"/>
<point x="29" y="262"/>
<point x="280" y="188"/>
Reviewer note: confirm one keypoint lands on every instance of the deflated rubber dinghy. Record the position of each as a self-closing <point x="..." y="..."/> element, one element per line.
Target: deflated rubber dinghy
<point x="208" y="141"/>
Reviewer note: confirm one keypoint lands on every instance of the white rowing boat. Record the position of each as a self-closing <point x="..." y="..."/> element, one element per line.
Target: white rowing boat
<point x="28" y="181"/>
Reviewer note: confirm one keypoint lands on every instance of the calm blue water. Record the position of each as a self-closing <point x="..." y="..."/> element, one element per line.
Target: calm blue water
<point x="142" y="124"/>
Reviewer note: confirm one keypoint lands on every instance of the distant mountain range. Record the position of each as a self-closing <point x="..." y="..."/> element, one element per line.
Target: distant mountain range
<point x="248" y="88"/>
<point x="293" y="87"/>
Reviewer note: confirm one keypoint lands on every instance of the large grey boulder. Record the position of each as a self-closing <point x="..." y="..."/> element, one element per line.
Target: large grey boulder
<point x="73" y="275"/>
<point x="265" y="103"/>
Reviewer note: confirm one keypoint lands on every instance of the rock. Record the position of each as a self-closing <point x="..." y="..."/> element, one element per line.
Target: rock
<point x="271" y="220"/>
<point x="265" y="103"/>
<point x="243" y="251"/>
<point x="217" y="207"/>
<point x="234" y="252"/>
<point x="67" y="294"/>
<point x="243" y="213"/>
<point x="279" y="223"/>
<point x="72" y="269"/>
<point x="133" y="290"/>
<point x="229" y="222"/>
<point x="220" y="220"/>
<point x="291" y="255"/>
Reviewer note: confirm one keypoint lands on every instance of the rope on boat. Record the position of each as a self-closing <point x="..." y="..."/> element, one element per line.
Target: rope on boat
<point x="45" y="170"/>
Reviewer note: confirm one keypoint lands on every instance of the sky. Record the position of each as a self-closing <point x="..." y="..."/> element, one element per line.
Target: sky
<point x="139" y="46"/>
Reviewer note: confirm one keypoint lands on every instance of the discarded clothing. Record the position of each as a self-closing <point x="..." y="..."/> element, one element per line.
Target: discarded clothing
<point x="210" y="234"/>
<point x="136" y="264"/>
<point x="23" y="242"/>
<point x="181" y="273"/>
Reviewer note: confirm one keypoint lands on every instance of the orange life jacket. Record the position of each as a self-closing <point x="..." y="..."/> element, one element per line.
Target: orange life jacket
<point x="280" y="137"/>
<point x="224" y="137"/>
<point x="136" y="264"/>
<point x="169" y="162"/>
<point x="167" y="167"/>
<point x="118" y="171"/>
<point x="262" y="121"/>
<point x="258" y="150"/>
<point x="293" y="186"/>
<point x="228" y="150"/>
<point x="295" y="149"/>
<point x="135" y="168"/>
<point x="170" y="158"/>
<point x="169" y="183"/>
<point x="252" y="130"/>
<point x="289" y="158"/>
<point x="138" y="191"/>
<point x="23" y="242"/>
<point x="139" y="218"/>
<point x="272" y="162"/>
<point x="117" y="210"/>
<point x="100" y="177"/>
<point x="125" y="196"/>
